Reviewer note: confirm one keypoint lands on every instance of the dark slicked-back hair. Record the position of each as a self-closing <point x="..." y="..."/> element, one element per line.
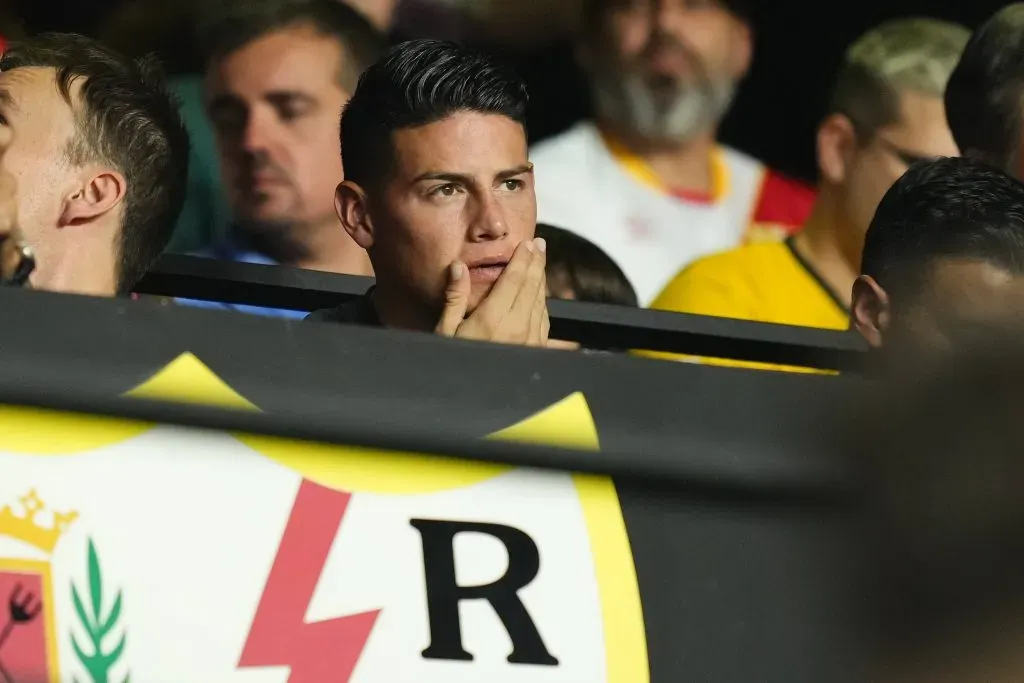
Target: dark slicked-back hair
<point x="417" y="83"/>
<point x="230" y="26"/>
<point x="947" y="208"/>
<point x="126" y="118"/>
<point x="985" y="94"/>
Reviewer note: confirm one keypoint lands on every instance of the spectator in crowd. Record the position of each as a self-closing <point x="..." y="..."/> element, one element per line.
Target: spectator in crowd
<point x="886" y="112"/>
<point x="577" y="270"/>
<point x="99" y="155"/>
<point x="279" y="75"/>
<point x="944" y="254"/>
<point x="439" y="191"/>
<point x="647" y="181"/>
<point x="985" y="96"/>
<point x="939" y="454"/>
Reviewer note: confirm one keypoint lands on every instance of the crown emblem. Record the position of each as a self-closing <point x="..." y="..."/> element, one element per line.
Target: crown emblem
<point x="26" y="526"/>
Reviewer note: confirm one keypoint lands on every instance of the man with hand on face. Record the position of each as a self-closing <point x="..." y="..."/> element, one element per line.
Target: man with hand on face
<point x="439" y="191"/>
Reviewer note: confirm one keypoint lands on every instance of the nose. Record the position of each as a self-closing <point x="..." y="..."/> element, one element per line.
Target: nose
<point x="666" y="15"/>
<point x="662" y="13"/>
<point x="255" y="136"/>
<point x="489" y="222"/>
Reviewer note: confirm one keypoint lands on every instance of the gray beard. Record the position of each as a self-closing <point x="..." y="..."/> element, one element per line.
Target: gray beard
<point x="631" y="103"/>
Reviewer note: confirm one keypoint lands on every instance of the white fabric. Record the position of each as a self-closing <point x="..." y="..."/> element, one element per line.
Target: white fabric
<point x="581" y="187"/>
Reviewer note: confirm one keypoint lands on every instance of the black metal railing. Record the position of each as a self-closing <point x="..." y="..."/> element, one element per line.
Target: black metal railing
<point x="593" y="325"/>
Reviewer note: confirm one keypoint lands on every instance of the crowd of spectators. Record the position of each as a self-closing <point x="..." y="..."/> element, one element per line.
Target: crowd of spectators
<point x="311" y="134"/>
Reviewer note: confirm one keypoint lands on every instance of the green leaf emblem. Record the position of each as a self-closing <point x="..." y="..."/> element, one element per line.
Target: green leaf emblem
<point x="98" y="661"/>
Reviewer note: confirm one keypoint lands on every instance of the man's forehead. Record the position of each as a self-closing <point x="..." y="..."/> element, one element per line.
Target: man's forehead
<point x="971" y="283"/>
<point x="922" y="124"/>
<point x="462" y="142"/>
<point x="31" y="83"/>
<point x="287" y="58"/>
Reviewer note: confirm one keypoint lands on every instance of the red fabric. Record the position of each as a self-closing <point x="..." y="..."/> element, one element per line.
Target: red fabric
<point x="695" y="196"/>
<point x="3" y="44"/>
<point x="784" y="201"/>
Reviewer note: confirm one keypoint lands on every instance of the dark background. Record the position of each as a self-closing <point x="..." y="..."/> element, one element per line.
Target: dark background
<point x="799" y="46"/>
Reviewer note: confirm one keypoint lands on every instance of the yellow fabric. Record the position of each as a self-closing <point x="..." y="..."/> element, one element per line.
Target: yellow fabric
<point x="644" y="174"/>
<point x="760" y="282"/>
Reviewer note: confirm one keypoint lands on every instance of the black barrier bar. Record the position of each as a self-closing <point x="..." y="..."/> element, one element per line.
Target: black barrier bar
<point x="594" y="325"/>
<point x="830" y="487"/>
<point x="45" y="369"/>
<point x="725" y="480"/>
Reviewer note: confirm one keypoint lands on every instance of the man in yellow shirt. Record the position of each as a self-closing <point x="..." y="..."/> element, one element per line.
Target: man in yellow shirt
<point x="886" y="113"/>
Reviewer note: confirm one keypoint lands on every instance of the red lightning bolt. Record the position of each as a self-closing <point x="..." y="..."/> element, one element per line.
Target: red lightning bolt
<point x="279" y="635"/>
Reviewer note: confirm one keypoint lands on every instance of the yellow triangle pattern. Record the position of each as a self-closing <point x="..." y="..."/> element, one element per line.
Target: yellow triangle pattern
<point x="187" y="379"/>
<point x="567" y="423"/>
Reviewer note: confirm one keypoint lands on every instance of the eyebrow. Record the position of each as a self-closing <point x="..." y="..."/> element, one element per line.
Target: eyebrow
<point x="463" y="178"/>
<point x="221" y="102"/>
<point x="278" y="97"/>
<point x="282" y="96"/>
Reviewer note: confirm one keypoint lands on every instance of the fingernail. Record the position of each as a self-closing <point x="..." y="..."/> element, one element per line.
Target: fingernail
<point x="541" y="244"/>
<point x="457" y="270"/>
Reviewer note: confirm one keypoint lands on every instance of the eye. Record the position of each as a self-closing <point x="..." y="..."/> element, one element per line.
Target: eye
<point x="446" y="190"/>
<point x="514" y="184"/>
<point x="290" y="111"/>
<point x="228" y="122"/>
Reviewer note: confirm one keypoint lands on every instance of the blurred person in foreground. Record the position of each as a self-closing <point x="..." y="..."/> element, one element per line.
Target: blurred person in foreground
<point x="439" y="191"/>
<point x="944" y="254"/>
<point x="280" y="72"/>
<point x="98" y="154"/>
<point x="886" y="112"/>
<point x="647" y="180"/>
<point x="939" y="450"/>
<point x="985" y="96"/>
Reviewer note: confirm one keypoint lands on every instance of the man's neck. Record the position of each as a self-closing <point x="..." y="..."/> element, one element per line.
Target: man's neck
<point x="77" y="273"/>
<point x="820" y="244"/>
<point x="678" y="166"/>
<point x="394" y="310"/>
<point x="321" y="246"/>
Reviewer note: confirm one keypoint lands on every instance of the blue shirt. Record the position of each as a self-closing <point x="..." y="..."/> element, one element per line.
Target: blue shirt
<point x="230" y="252"/>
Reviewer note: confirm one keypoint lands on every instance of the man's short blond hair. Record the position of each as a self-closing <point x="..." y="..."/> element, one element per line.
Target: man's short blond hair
<point x="913" y="54"/>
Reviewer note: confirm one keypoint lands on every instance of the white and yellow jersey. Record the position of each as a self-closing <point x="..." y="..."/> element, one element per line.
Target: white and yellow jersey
<point x="588" y="184"/>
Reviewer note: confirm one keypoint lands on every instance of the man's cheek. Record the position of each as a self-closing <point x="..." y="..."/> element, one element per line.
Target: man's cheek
<point x="477" y="294"/>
